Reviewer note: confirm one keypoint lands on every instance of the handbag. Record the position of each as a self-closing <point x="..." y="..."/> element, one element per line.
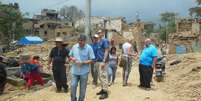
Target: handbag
<point x="122" y="61"/>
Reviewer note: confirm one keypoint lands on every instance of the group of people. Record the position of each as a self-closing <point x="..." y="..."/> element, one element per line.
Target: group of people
<point x="100" y="57"/>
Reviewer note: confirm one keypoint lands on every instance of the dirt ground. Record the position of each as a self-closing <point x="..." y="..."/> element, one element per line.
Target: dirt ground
<point x="117" y="92"/>
<point x="182" y="83"/>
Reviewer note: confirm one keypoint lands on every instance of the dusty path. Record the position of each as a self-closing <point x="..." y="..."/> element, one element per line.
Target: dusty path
<point x="117" y="92"/>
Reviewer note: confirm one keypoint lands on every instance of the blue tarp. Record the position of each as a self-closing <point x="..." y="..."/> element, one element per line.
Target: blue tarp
<point x="180" y="49"/>
<point x="30" y="40"/>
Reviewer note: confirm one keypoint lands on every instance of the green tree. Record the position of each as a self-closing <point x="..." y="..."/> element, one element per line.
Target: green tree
<point x="169" y="25"/>
<point x="11" y="21"/>
<point x="196" y="11"/>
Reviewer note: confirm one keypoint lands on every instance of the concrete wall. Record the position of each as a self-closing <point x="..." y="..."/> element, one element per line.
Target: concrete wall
<point x="98" y="22"/>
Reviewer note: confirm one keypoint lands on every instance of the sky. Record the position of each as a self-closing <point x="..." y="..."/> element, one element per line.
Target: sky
<point x="149" y="10"/>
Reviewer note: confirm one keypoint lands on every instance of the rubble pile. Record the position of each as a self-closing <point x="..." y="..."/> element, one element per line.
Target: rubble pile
<point x="184" y="78"/>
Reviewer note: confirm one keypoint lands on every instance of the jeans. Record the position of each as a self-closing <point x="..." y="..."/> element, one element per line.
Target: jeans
<point x="146" y="73"/>
<point x="82" y="79"/>
<point x="127" y="69"/>
<point x="112" y="68"/>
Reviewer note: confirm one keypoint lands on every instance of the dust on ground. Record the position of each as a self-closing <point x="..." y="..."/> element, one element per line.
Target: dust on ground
<point x="182" y="83"/>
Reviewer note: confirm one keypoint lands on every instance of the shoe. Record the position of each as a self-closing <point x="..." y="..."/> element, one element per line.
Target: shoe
<point x="109" y="84"/>
<point x="140" y="86"/>
<point x="58" y="91"/>
<point x="104" y="95"/>
<point x="101" y="92"/>
<point x="66" y="90"/>
<point x="147" y="88"/>
<point x="125" y="84"/>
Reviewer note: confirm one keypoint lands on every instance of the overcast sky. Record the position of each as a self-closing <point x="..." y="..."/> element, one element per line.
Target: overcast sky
<point x="148" y="9"/>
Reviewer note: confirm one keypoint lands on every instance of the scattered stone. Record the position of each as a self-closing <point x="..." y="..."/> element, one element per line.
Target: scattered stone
<point x="175" y="62"/>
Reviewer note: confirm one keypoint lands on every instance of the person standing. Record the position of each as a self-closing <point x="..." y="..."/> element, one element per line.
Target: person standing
<point x="94" y="67"/>
<point x="112" y="66"/>
<point x="101" y="61"/>
<point x="148" y="60"/>
<point x="81" y="55"/>
<point x="127" y="56"/>
<point x="57" y="58"/>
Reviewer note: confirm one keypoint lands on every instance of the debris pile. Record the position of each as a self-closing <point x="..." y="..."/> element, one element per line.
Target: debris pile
<point x="184" y="78"/>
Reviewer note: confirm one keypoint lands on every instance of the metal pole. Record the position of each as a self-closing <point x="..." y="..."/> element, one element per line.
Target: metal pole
<point x="166" y="32"/>
<point x="87" y="18"/>
<point x="13" y="31"/>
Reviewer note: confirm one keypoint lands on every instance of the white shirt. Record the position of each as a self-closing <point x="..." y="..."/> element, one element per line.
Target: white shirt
<point x="126" y="47"/>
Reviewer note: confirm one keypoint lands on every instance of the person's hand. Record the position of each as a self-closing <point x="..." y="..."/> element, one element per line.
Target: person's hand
<point x="102" y="65"/>
<point x="72" y="59"/>
<point x="79" y="63"/>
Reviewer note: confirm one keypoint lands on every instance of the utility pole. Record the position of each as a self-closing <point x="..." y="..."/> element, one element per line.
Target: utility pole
<point x="13" y="31"/>
<point x="166" y="32"/>
<point x="88" y="18"/>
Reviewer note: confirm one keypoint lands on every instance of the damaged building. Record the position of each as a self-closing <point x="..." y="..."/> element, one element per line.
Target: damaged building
<point x="137" y="31"/>
<point x="47" y="25"/>
<point x="98" y="22"/>
<point x="187" y="35"/>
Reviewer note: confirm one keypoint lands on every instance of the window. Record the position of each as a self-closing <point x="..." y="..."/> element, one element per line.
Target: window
<point x="58" y="34"/>
<point x="45" y="33"/>
<point x="41" y="26"/>
<point x="64" y="33"/>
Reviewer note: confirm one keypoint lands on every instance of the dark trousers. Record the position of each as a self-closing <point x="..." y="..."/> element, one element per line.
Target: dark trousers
<point x="2" y="84"/>
<point x="94" y="73"/>
<point x="3" y="77"/>
<point x="146" y="73"/>
<point x="60" y="78"/>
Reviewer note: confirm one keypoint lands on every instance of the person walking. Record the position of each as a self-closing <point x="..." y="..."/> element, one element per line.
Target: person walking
<point x="81" y="55"/>
<point x="112" y="66"/>
<point x="57" y="58"/>
<point x="102" y="61"/>
<point x="94" y="67"/>
<point x="127" y="56"/>
<point x="148" y="60"/>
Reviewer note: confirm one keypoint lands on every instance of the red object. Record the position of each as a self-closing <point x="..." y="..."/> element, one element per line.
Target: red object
<point x="36" y="62"/>
<point x="30" y="78"/>
<point x="72" y="59"/>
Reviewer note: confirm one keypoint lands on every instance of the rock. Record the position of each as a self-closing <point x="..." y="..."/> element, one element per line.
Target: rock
<point x="175" y="62"/>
